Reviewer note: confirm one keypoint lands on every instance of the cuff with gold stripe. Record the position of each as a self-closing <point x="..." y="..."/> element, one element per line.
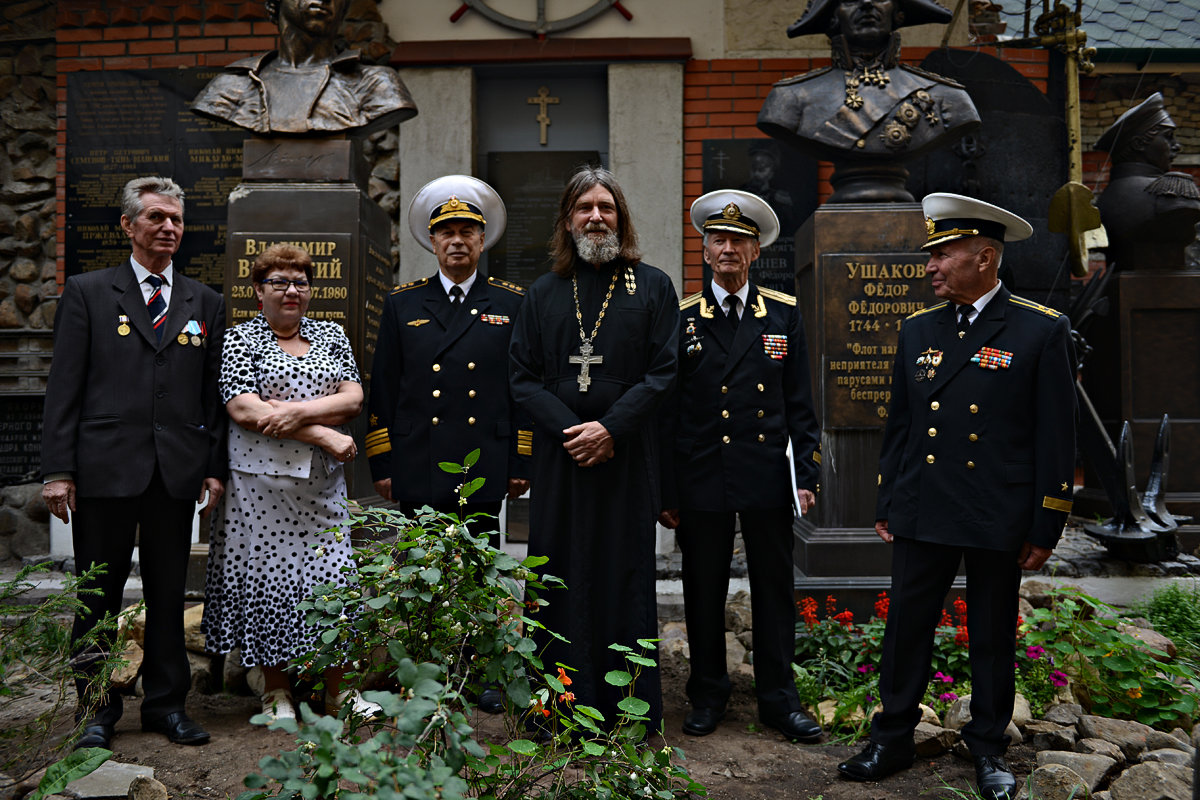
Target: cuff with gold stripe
<point x="1057" y="504"/>
<point x="524" y="443"/>
<point x="378" y="442"/>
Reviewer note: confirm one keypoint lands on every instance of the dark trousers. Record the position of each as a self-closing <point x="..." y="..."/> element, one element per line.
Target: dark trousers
<point x="104" y="532"/>
<point x="922" y="574"/>
<point x="706" y="541"/>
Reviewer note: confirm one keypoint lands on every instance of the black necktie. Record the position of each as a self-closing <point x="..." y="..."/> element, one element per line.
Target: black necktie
<point x="731" y="307"/>
<point x="456" y="297"/>
<point x="156" y="305"/>
<point x="964" y="318"/>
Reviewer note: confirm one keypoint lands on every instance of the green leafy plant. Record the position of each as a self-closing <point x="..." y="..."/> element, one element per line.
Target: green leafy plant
<point x="1175" y="613"/>
<point x="37" y="660"/>
<point x="433" y="614"/>
<point x="1112" y="673"/>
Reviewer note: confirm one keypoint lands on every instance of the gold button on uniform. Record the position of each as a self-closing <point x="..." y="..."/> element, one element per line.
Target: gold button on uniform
<point x="933" y="431"/>
<point x="470" y="420"/>
<point x="970" y="465"/>
<point x="974" y="408"/>
<point x="437" y="367"/>
<point x="973" y="437"/>
<point x="762" y="438"/>
<point x="935" y="405"/>
<point x="724" y="390"/>
<point x="761" y="387"/>
<point x="929" y="458"/>
<point x="434" y="420"/>
<point x="437" y="392"/>
<point x="725" y="439"/>
<point x="470" y="365"/>
<point x="725" y="413"/>
<point x="471" y="393"/>
<point x="760" y="413"/>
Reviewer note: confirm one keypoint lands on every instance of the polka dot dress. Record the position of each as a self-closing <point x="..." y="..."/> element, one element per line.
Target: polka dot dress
<point x="281" y="498"/>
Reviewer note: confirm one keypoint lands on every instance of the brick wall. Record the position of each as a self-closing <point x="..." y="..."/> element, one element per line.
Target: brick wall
<point x="721" y="99"/>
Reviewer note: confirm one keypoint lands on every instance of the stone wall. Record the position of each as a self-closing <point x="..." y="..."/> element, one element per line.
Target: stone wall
<point x="27" y="165"/>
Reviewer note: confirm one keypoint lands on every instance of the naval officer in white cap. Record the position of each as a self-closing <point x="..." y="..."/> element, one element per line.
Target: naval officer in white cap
<point x="743" y="393"/>
<point x="977" y="466"/>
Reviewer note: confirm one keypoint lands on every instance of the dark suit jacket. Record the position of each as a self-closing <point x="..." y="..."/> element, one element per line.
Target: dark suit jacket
<point x="116" y="405"/>
<point x="739" y="398"/>
<point x="439" y="389"/>
<point x="974" y="456"/>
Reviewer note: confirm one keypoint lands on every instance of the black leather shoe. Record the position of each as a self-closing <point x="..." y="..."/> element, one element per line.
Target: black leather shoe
<point x="995" y="779"/>
<point x="877" y="761"/>
<point x="795" y="725"/>
<point x="491" y="701"/>
<point x="95" y="734"/>
<point x="702" y="721"/>
<point x="177" y="727"/>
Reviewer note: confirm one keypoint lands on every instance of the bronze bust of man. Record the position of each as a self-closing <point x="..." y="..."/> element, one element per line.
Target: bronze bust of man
<point x="307" y="87"/>
<point x="867" y="113"/>
<point x="1149" y="212"/>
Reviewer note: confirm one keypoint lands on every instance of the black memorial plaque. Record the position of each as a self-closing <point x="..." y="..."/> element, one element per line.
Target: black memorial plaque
<point x="531" y="185"/>
<point x="20" y="437"/>
<point x="125" y="124"/>
<point x="784" y="178"/>
<point x="867" y="295"/>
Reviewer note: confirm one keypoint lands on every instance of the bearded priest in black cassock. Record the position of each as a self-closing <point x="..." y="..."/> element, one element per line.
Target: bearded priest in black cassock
<point x="592" y="355"/>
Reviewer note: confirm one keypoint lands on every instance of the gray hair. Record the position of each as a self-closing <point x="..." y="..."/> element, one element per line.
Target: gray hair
<point x="131" y="195"/>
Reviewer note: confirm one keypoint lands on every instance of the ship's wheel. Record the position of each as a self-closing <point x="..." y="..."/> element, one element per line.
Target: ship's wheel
<point x="541" y="26"/>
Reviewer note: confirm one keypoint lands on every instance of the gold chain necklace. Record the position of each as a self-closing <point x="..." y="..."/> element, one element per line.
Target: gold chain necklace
<point x="585" y="359"/>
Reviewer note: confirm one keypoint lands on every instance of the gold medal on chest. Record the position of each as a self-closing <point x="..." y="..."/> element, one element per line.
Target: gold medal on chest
<point x="182" y="338"/>
<point x="122" y="325"/>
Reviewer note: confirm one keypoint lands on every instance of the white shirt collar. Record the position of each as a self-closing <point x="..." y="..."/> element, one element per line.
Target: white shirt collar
<point x="140" y="272"/>
<point x="465" y="285"/>
<point x="742" y="294"/>
<point x="981" y="303"/>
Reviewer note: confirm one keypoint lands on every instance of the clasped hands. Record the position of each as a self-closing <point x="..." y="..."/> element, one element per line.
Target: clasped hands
<point x="589" y="443"/>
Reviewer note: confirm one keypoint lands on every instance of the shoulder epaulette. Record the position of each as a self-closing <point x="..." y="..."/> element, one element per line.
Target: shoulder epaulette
<point x="1032" y="306"/>
<point x="503" y="284"/>
<point x="801" y="78"/>
<point x="927" y="310"/>
<point x="690" y="300"/>
<point x="942" y="79"/>
<point x="404" y="287"/>
<point x="778" y="297"/>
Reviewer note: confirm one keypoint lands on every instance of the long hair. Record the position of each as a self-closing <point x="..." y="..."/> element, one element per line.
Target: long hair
<point x="562" y="243"/>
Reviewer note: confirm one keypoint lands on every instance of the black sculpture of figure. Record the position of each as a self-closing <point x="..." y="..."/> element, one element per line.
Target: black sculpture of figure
<point x="1149" y="212"/>
<point x="307" y="87"/>
<point x="867" y="113"/>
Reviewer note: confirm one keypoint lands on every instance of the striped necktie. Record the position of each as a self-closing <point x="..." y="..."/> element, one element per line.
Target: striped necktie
<point x="156" y="305"/>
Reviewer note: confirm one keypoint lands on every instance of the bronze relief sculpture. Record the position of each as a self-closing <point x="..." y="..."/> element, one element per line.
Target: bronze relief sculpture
<point x="867" y="113"/>
<point x="307" y="87"/>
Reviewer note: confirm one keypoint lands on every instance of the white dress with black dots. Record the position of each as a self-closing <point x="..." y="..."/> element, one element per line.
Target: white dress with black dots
<point x="283" y="497"/>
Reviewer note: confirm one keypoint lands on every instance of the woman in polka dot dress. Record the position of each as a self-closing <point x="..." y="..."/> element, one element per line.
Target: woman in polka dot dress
<point x="289" y="383"/>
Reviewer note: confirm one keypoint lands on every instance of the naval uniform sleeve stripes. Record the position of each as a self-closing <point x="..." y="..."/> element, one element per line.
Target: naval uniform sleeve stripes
<point x="378" y="442"/>
<point x="524" y="443"/>
<point x="1057" y="504"/>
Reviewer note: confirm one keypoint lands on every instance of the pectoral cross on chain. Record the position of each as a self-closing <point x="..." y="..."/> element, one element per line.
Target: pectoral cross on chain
<point x="585" y="359"/>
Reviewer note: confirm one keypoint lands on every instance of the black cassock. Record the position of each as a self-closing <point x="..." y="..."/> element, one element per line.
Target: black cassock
<point x="596" y="524"/>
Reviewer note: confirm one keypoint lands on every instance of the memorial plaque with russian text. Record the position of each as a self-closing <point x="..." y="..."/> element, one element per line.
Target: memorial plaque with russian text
<point x="330" y="285"/>
<point x="122" y="124"/>
<point x="20" y="437"/>
<point x="866" y="297"/>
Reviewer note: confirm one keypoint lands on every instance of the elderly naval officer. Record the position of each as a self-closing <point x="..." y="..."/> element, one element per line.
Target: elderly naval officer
<point x="743" y="392"/>
<point x="977" y="466"/>
<point x="439" y="382"/>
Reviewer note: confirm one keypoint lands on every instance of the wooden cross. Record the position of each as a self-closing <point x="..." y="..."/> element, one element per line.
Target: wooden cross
<point x="542" y="100"/>
<point x="585" y="359"/>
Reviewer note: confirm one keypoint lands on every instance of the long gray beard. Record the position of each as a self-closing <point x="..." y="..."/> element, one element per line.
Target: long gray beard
<point x="597" y="252"/>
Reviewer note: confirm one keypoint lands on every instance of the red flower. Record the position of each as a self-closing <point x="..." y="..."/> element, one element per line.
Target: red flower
<point x="538" y="708"/>
<point x="961" y="638"/>
<point x="830" y="605"/>
<point x="881" y="606"/>
<point x="846" y="618"/>
<point x="808" y="611"/>
<point x="563" y="677"/>
<point x="946" y="622"/>
<point x="567" y="697"/>
<point x="960" y="608"/>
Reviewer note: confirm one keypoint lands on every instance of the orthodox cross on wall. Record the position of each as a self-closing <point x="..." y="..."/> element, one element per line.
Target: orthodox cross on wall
<point x="542" y="100"/>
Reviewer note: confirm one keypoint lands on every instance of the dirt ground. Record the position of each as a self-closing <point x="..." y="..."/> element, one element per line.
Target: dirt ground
<point x="740" y="761"/>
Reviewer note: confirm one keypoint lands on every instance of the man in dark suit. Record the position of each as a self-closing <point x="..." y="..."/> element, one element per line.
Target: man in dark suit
<point x="439" y="383"/>
<point x="743" y="392"/>
<point x="134" y="432"/>
<point x="977" y="466"/>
